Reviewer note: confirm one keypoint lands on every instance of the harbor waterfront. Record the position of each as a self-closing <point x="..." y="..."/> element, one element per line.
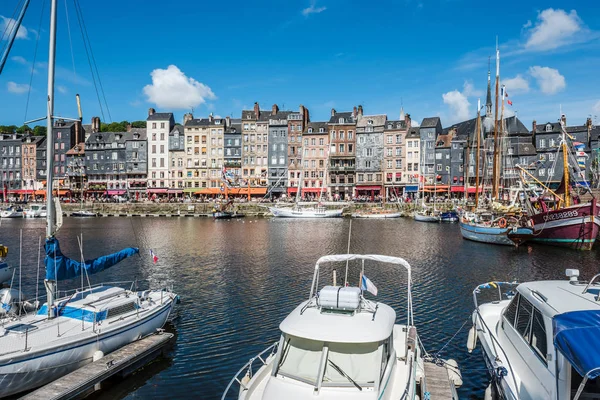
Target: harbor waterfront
<point x="238" y="279"/>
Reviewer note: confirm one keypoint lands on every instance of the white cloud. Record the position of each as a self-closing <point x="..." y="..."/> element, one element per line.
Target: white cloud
<point x="459" y="105"/>
<point x="518" y="84"/>
<point x="553" y="29"/>
<point x="528" y="24"/>
<point x="414" y="123"/>
<point x="313" y="9"/>
<point x="469" y="90"/>
<point x="61" y="89"/>
<point x="17" y="88"/>
<point x="8" y="25"/>
<point x="20" y="60"/>
<point x="171" y="88"/>
<point x="549" y="80"/>
<point x="596" y="108"/>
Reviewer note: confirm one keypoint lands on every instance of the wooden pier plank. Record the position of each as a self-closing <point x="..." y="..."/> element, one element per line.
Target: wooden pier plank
<point x="82" y="379"/>
<point x="437" y="383"/>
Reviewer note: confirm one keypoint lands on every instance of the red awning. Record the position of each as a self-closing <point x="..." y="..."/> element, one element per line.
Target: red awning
<point x="20" y="191"/>
<point x="457" y="189"/>
<point x="115" y="192"/>
<point x="472" y="190"/>
<point x="157" y="190"/>
<point x="358" y="187"/>
<point x="311" y="190"/>
<point x="292" y="190"/>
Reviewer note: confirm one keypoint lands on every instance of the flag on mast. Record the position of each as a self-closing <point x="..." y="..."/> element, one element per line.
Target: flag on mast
<point x="367" y="285"/>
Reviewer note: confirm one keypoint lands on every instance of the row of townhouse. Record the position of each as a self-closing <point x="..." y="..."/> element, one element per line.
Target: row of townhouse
<point x="275" y="153"/>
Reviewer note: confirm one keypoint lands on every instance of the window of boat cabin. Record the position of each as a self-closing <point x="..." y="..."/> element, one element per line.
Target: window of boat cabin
<point x="528" y="321"/>
<point x="300" y="359"/>
<point x="359" y="361"/>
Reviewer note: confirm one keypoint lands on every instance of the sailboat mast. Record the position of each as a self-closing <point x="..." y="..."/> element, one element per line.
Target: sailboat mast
<point x="298" y="192"/>
<point x="565" y="165"/>
<point x="501" y="139"/>
<point x="50" y="211"/>
<point x="478" y="133"/>
<point x="496" y="169"/>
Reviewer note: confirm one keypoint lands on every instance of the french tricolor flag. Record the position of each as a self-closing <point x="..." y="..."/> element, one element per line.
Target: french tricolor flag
<point x="154" y="256"/>
<point x="367" y="285"/>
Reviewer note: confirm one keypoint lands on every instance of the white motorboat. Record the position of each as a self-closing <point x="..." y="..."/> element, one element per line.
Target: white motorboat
<point x="339" y="345"/>
<point x="12" y="212"/>
<point x="35" y="211"/>
<point x="427" y="216"/>
<point x="83" y="213"/>
<point x="71" y="331"/>
<point x="305" y="212"/>
<point x="542" y="340"/>
<point x="377" y="213"/>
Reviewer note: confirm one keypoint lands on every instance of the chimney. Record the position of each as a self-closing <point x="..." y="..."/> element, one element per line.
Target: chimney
<point x="534" y="126"/>
<point x="354" y="112"/>
<point x="256" y="110"/>
<point x="407" y="120"/>
<point x="333" y="112"/>
<point x="360" y="111"/>
<point x="274" y="109"/>
<point x="301" y="110"/>
<point x="151" y="111"/>
<point x="77" y="127"/>
<point x="563" y="118"/>
<point x="210" y="117"/>
<point x="305" y="118"/>
<point x="129" y="127"/>
<point x="227" y="122"/>
<point x="187" y="117"/>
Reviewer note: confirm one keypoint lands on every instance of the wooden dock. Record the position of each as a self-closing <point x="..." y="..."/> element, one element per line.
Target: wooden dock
<point x="437" y="383"/>
<point x="122" y="361"/>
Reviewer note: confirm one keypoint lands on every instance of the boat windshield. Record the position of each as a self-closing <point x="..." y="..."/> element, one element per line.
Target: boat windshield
<point x="347" y="364"/>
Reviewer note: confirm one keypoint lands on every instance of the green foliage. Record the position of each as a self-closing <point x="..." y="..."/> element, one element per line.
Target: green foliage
<point x="39" y="130"/>
<point x="8" y="128"/>
<point x="24" y="129"/>
<point x="114" y="127"/>
<point x="138" y="124"/>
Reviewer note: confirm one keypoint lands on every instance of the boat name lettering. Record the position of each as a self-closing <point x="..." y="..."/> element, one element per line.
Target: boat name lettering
<point x="561" y="215"/>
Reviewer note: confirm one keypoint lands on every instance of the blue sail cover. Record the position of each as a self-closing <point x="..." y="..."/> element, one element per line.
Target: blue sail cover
<point x="577" y="337"/>
<point x="60" y="267"/>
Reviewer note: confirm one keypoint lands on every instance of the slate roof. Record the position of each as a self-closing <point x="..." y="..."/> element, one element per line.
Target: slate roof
<point x="348" y="119"/>
<point x="444" y="140"/>
<point x="513" y="125"/>
<point x="378" y="120"/>
<point x="139" y="131"/>
<point x="177" y="127"/>
<point x="525" y="149"/>
<point x="106" y="138"/>
<point x="77" y="150"/>
<point x="234" y="128"/>
<point x="248" y="115"/>
<point x="431" y="122"/>
<point x="413" y="133"/>
<point x="395" y="125"/>
<point x="316" y="126"/>
<point x="541" y="128"/>
<point x="160" y="117"/>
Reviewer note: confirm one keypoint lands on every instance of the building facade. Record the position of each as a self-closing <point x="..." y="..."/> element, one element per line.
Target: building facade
<point x="158" y="126"/>
<point x="105" y="156"/>
<point x="296" y="125"/>
<point x="136" y="161"/>
<point x="29" y="163"/>
<point x="369" y="155"/>
<point x="342" y="153"/>
<point x="233" y="149"/>
<point x="278" y="151"/>
<point x="429" y="130"/>
<point x="315" y="144"/>
<point x="10" y="153"/>
<point x="177" y="159"/>
<point x="255" y="146"/>
<point x="393" y="155"/>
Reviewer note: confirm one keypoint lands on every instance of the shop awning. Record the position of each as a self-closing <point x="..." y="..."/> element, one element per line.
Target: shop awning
<point x="157" y="190"/>
<point x="455" y="189"/>
<point x="292" y="190"/>
<point x="174" y="191"/>
<point x="189" y="190"/>
<point x="436" y="188"/>
<point x="577" y="337"/>
<point x="244" y="191"/>
<point x="115" y="192"/>
<point x="312" y="190"/>
<point x="358" y="187"/>
<point x="208" y="191"/>
<point x="20" y="191"/>
<point x="412" y="188"/>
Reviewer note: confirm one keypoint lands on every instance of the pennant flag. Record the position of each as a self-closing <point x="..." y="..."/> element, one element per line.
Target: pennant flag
<point x="578" y="146"/>
<point x="367" y="285"/>
<point x="509" y="102"/>
<point x="154" y="256"/>
<point x="582" y="154"/>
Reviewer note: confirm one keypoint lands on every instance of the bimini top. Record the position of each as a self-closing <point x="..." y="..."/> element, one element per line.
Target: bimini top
<point x="577" y="337"/>
<point x="558" y="297"/>
<point x="364" y="326"/>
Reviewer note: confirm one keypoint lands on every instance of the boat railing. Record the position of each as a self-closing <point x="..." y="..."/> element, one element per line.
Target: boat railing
<point x="495" y="343"/>
<point x="248" y="369"/>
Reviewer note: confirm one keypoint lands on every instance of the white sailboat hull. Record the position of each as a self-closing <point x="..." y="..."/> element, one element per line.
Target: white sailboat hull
<point x="11" y="214"/>
<point x="377" y="216"/>
<point x="305" y="212"/>
<point x="28" y="370"/>
<point x="426" y="218"/>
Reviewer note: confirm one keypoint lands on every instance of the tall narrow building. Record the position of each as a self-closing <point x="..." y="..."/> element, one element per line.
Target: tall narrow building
<point x="158" y="126"/>
<point x="342" y="153"/>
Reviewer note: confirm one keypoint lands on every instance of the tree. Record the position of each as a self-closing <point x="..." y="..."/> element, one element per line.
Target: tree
<point x="39" y="130"/>
<point x="8" y="128"/>
<point x="138" y="124"/>
<point x="24" y="129"/>
<point x="114" y="127"/>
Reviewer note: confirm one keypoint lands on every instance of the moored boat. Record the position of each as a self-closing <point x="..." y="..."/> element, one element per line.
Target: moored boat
<point x="376" y="213"/>
<point x="427" y="216"/>
<point x="449" y="216"/>
<point x="305" y="212"/>
<point x="35" y="211"/>
<point x="13" y="211"/>
<point x="339" y="345"/>
<point x="485" y="227"/>
<point x="83" y="213"/>
<point x="540" y="340"/>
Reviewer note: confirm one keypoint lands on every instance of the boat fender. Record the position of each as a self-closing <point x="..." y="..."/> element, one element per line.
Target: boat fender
<point x="502" y="222"/>
<point x="488" y="393"/>
<point x="472" y="340"/>
<point x="97" y="355"/>
<point x="453" y="372"/>
<point x="501" y="372"/>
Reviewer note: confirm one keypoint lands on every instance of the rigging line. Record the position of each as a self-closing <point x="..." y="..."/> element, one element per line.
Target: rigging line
<point x="7" y="24"/>
<point x="88" y="58"/>
<point x="70" y="41"/>
<point x="37" y="42"/>
<point x="93" y="59"/>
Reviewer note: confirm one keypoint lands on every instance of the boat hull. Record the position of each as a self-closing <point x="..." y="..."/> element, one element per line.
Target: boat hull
<point x="426" y="218"/>
<point x="11" y="214"/>
<point x="305" y="213"/>
<point x="6" y="272"/>
<point x="449" y="216"/>
<point x="574" y="227"/>
<point x="222" y="215"/>
<point x="83" y="214"/>
<point x="377" y="216"/>
<point x="495" y="235"/>
<point x="41" y="367"/>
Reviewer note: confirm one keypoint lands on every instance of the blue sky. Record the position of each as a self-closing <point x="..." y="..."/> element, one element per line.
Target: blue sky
<point x="430" y="56"/>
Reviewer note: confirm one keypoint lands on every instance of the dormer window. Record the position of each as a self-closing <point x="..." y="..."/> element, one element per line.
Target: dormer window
<point x="370" y="122"/>
<point x="390" y="126"/>
<point x="309" y="130"/>
<point x="549" y="128"/>
<point x="342" y="120"/>
<point x="217" y="122"/>
<point x="321" y="130"/>
<point x="136" y="136"/>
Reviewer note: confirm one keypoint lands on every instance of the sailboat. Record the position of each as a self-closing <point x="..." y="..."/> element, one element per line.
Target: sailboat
<point x="563" y="223"/>
<point x="307" y="212"/>
<point x="425" y="214"/>
<point x="496" y="224"/>
<point x="68" y="332"/>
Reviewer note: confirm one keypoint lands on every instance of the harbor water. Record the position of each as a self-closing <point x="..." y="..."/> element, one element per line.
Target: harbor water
<point x="239" y="278"/>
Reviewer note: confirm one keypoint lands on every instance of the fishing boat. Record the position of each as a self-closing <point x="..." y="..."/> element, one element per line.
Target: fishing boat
<point x="449" y="216"/>
<point x="485" y="227"/>
<point x="14" y="211"/>
<point x="65" y="333"/>
<point x="35" y="211"/>
<point x="223" y="213"/>
<point x="540" y="340"/>
<point x="340" y="345"/>
<point x="558" y="221"/>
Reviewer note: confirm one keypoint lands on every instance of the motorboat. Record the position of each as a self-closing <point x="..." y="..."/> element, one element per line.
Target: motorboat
<point x="13" y="211"/>
<point x="35" y="211"/>
<point x="339" y="345"/>
<point x="541" y="339"/>
<point x="306" y="212"/>
<point x="83" y="213"/>
<point x="377" y="213"/>
<point x="449" y="216"/>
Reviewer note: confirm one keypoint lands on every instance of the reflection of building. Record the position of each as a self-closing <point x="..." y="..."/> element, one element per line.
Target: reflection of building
<point x="342" y="153"/>
<point x="314" y="168"/>
<point x="369" y="154"/>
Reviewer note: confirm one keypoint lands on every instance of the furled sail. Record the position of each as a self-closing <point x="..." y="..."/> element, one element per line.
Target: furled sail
<point x="60" y="267"/>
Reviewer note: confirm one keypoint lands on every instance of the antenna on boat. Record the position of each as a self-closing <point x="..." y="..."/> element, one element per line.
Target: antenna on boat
<point x="348" y="252"/>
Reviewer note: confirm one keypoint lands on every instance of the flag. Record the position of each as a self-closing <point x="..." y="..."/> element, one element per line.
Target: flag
<point x="367" y="285"/>
<point x="154" y="256"/>
<point x="578" y="146"/>
<point x="582" y="154"/>
<point x="509" y="102"/>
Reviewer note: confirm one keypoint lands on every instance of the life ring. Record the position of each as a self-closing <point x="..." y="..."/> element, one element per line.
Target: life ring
<point x="502" y="222"/>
